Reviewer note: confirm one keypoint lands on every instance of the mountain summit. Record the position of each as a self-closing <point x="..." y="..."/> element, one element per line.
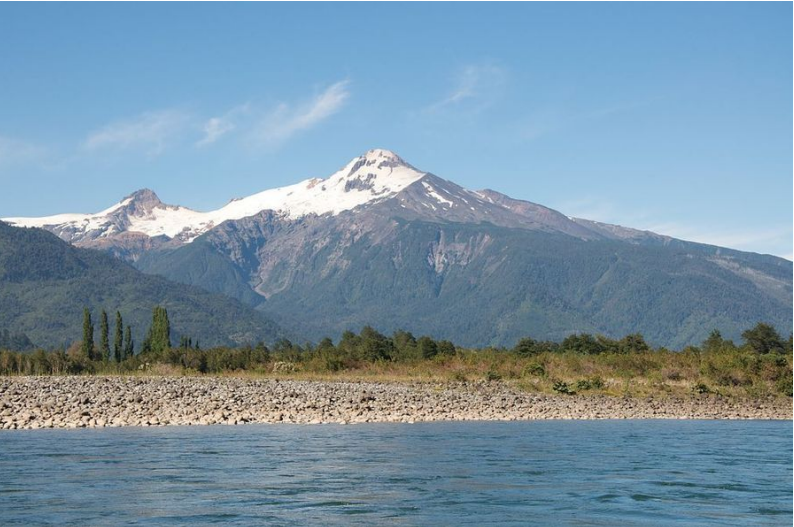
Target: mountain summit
<point x="381" y="242"/>
<point x="141" y="221"/>
<point x="374" y="176"/>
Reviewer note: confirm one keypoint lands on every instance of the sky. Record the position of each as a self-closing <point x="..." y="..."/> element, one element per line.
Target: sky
<point x="672" y="117"/>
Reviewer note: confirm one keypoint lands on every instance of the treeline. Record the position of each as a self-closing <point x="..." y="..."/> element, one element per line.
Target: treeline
<point x="91" y="354"/>
<point x="762" y="355"/>
<point x="761" y="339"/>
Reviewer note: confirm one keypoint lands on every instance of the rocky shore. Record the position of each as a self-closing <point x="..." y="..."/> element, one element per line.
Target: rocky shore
<point x="78" y="402"/>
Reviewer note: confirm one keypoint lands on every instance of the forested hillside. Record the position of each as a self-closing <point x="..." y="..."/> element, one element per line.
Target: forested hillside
<point x="45" y="283"/>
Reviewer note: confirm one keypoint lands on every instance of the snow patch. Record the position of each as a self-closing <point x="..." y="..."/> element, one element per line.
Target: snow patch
<point x="376" y="176"/>
<point x="435" y="195"/>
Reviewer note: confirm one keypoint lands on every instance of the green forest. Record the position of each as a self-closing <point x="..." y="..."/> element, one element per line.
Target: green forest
<point x="759" y="365"/>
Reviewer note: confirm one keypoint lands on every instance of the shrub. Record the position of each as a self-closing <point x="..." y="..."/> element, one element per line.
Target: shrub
<point x="595" y="383"/>
<point x="784" y="386"/>
<point x="563" y="388"/>
<point x="701" y="389"/>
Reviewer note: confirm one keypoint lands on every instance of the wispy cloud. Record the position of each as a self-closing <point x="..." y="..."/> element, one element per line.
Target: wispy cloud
<point x="217" y="127"/>
<point x="214" y="129"/>
<point x="14" y="152"/>
<point x="475" y="86"/>
<point x="286" y="120"/>
<point x="150" y="131"/>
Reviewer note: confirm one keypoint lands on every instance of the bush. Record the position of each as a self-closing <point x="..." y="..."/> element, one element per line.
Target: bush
<point x="701" y="389"/>
<point x="563" y="388"/>
<point x="595" y="383"/>
<point x="784" y="386"/>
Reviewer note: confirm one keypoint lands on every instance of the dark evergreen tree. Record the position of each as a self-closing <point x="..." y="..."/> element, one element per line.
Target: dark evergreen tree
<point x="129" y="345"/>
<point x="374" y="345"/>
<point x="445" y="347"/>
<point x="526" y="347"/>
<point x="348" y="344"/>
<point x="158" y="339"/>
<point x="118" y="340"/>
<point x="634" y="343"/>
<point x="427" y="347"/>
<point x="763" y="339"/>
<point x="583" y="343"/>
<point x="104" y="337"/>
<point x="88" y="335"/>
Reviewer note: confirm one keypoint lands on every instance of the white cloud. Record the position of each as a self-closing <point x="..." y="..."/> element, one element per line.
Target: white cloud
<point x="216" y="127"/>
<point x="476" y="83"/>
<point x="285" y="120"/>
<point x="150" y="131"/>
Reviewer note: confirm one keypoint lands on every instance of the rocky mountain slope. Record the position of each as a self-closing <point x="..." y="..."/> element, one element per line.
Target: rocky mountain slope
<point x="380" y="242"/>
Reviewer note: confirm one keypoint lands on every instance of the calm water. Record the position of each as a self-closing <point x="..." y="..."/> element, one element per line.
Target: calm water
<point x="544" y="473"/>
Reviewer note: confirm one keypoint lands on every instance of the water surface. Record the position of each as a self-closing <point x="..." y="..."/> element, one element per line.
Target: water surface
<point x="472" y="473"/>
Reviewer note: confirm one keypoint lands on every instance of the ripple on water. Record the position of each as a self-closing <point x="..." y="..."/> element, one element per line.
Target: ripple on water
<point x="469" y="473"/>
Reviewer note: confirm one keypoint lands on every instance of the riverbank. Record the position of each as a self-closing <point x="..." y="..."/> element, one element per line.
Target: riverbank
<point x="92" y="401"/>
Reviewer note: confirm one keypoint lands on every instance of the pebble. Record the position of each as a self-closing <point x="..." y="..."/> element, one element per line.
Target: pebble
<point x="94" y="401"/>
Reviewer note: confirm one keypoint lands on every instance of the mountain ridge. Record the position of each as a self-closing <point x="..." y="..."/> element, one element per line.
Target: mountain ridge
<point x="373" y="177"/>
<point x="376" y="175"/>
<point x="380" y="242"/>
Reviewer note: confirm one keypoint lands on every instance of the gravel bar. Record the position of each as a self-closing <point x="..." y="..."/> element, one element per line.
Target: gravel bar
<point x="93" y="401"/>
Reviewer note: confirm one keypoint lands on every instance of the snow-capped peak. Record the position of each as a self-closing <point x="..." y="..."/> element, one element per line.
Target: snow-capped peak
<point x="375" y="176"/>
<point x="380" y="155"/>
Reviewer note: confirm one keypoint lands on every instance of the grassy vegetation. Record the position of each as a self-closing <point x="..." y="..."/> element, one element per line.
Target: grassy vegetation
<point x="761" y="367"/>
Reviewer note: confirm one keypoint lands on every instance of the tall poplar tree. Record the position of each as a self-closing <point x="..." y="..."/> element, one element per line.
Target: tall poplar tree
<point x="104" y="337"/>
<point x="88" y="335"/>
<point x="118" y="340"/>
<point x="129" y="345"/>
<point x="159" y="336"/>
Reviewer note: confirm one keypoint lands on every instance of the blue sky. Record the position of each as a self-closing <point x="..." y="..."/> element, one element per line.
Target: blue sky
<point x="671" y="117"/>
